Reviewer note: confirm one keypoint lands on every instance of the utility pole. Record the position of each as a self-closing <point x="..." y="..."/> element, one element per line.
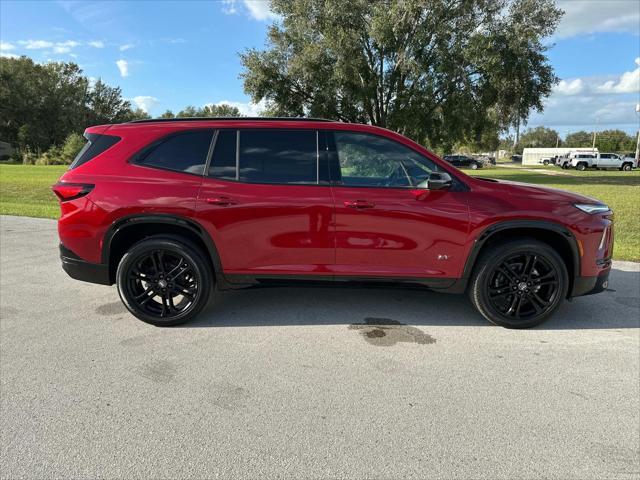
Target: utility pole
<point x="593" y="147"/>
<point x="638" y="140"/>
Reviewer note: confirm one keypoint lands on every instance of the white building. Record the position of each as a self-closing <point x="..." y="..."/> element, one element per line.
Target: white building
<point x="534" y="156"/>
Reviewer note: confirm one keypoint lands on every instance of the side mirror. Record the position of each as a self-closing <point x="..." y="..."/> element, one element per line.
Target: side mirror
<point x="439" y="181"/>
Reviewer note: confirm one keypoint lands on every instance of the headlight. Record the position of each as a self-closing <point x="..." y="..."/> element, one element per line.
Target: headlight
<point x="592" y="208"/>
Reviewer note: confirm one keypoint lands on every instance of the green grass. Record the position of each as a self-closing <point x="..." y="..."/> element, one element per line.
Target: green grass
<point x="25" y="190"/>
<point x="619" y="190"/>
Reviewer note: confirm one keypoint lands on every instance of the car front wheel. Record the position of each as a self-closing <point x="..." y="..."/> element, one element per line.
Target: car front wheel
<point x="626" y="167"/>
<point x="164" y="281"/>
<point x="519" y="283"/>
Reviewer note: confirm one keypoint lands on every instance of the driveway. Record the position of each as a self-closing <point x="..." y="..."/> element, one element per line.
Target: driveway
<point x="308" y="383"/>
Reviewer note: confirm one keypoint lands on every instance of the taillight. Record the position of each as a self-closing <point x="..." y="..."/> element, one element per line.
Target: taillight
<point x="71" y="191"/>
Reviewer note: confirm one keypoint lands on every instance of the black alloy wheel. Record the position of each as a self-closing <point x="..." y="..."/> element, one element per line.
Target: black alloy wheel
<point x="520" y="283"/>
<point x="164" y="281"/>
<point x="523" y="286"/>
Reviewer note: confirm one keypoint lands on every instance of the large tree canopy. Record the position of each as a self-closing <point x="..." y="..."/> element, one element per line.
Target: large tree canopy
<point x="440" y="71"/>
<point x="41" y="104"/>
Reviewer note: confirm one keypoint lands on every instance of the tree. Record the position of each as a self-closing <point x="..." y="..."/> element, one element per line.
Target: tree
<point x="579" y="139"/>
<point x="539" y="137"/>
<point x="438" y="71"/>
<point x="614" y="141"/>
<point x="222" y="110"/>
<point x="41" y="104"/>
<point x="106" y="105"/>
<point x="168" y="114"/>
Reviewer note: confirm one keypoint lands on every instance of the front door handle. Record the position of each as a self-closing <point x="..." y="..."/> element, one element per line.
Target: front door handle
<point x="359" y="204"/>
<point x="222" y="201"/>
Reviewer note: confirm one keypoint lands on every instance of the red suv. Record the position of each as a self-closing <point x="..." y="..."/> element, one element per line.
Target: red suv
<point x="168" y="209"/>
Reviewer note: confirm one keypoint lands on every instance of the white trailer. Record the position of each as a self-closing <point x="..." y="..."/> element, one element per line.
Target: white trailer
<point x="536" y="156"/>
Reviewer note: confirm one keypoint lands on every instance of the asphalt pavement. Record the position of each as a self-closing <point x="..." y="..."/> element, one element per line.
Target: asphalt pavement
<point x="308" y="383"/>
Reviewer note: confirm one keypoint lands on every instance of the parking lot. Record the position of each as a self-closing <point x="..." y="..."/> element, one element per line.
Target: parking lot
<point x="297" y="382"/>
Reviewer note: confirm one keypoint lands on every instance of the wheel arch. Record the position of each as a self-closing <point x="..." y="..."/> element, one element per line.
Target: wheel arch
<point x="131" y="229"/>
<point x="554" y="234"/>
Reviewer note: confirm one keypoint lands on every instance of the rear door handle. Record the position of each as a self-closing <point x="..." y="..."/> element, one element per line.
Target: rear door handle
<point x="359" y="204"/>
<point x="222" y="201"/>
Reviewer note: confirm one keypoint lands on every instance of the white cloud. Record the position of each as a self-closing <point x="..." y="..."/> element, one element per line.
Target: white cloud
<point x="123" y="66"/>
<point x="58" y="49"/>
<point x="569" y="87"/>
<point x="256" y="9"/>
<point x="229" y="7"/>
<point x="125" y="47"/>
<point x="145" y="102"/>
<point x="8" y="55"/>
<point x="7" y="46"/>
<point x="589" y="16"/>
<point x="260" y="9"/>
<point x="629" y="82"/>
<point x="96" y="44"/>
<point x="68" y="43"/>
<point x="248" y="109"/>
<point x="35" y="44"/>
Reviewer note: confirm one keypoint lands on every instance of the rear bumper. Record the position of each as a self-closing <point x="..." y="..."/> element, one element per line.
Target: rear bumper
<point x="82" y="270"/>
<point x="590" y="285"/>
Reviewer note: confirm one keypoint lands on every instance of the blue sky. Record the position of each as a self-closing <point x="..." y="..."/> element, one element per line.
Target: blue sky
<point x="169" y="54"/>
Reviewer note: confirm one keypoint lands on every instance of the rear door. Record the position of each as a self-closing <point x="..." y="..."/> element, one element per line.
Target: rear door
<point x="265" y="205"/>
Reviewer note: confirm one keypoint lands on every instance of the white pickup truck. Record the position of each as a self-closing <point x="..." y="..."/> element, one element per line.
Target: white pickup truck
<point x="582" y="161"/>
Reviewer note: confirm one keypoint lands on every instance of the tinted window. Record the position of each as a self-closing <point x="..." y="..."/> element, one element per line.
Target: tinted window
<point x="185" y="152"/>
<point x="278" y="156"/>
<point x="370" y="160"/>
<point x="96" y="144"/>
<point x="223" y="160"/>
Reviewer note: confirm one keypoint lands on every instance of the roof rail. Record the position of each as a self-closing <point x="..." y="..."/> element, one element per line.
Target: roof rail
<point x="266" y="119"/>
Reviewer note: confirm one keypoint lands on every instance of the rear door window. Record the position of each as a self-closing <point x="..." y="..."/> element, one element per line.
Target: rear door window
<point x="278" y="156"/>
<point x="184" y="152"/>
<point x="223" y="159"/>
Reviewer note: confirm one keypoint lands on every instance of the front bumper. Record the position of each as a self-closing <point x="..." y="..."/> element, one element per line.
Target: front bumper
<point x="590" y="285"/>
<point x="82" y="270"/>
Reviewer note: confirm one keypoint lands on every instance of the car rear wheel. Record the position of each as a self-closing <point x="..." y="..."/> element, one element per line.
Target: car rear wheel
<point x="519" y="283"/>
<point x="473" y="166"/>
<point x="164" y="281"/>
<point x="581" y="167"/>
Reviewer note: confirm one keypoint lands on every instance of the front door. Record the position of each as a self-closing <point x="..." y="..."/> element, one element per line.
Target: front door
<point x="387" y="223"/>
<point x="264" y="206"/>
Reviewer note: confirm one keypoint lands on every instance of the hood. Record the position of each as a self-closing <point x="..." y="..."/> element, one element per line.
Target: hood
<point x="538" y="192"/>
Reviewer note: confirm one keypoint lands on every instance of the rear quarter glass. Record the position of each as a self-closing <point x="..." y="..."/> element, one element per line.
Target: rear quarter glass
<point x="96" y="144"/>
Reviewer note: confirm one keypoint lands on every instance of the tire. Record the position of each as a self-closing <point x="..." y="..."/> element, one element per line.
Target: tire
<point x="581" y="167"/>
<point x="626" y="167"/>
<point x="513" y="293"/>
<point x="164" y="280"/>
<point x="545" y="162"/>
<point x="564" y="166"/>
<point x="473" y="166"/>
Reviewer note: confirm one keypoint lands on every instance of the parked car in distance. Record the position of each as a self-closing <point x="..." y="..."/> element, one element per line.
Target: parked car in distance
<point x="548" y="160"/>
<point x="463" y="161"/>
<point x="169" y="209"/>
<point x="600" y="161"/>
<point x="6" y="150"/>
<point x="516" y="158"/>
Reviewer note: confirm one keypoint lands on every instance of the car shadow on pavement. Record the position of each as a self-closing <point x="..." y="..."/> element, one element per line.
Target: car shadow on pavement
<point x="616" y="308"/>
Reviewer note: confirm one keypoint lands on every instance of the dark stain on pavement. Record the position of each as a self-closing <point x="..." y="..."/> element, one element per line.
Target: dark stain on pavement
<point x="385" y="332"/>
<point x="160" y="371"/>
<point x="113" y="308"/>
